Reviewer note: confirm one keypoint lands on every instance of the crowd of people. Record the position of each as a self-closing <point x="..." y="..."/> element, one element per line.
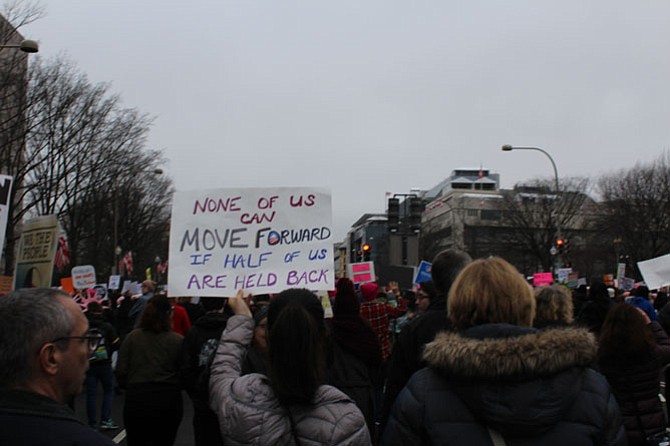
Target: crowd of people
<point x="473" y="356"/>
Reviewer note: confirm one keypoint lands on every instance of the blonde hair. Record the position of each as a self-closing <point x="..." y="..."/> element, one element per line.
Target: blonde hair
<point x="490" y="291"/>
<point x="553" y="303"/>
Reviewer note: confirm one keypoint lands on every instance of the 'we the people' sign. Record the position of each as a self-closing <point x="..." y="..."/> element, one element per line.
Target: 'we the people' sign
<point x="262" y="240"/>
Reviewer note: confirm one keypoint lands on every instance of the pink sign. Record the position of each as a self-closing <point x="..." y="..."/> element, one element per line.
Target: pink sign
<point x="542" y="279"/>
<point x="361" y="272"/>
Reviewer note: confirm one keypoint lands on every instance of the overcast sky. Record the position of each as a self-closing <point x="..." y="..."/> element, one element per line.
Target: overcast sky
<point x="368" y="97"/>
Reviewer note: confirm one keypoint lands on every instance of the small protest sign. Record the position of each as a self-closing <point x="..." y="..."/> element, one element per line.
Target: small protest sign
<point x="361" y="272"/>
<point x="83" y="277"/>
<point x="542" y="279"/>
<point x="101" y="290"/>
<point x="261" y="240"/>
<point x="114" y="282"/>
<point x="36" y="251"/>
<point x="562" y="274"/>
<point x="423" y="272"/>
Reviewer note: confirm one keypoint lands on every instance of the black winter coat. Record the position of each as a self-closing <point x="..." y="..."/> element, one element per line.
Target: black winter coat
<point x="406" y="355"/>
<point x="636" y="389"/>
<point x="534" y="387"/>
<point x="27" y="418"/>
<point x="200" y="344"/>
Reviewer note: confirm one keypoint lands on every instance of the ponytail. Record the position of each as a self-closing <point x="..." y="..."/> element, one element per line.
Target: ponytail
<point x="296" y="346"/>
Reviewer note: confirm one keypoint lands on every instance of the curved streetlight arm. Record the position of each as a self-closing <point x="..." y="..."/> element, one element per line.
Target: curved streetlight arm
<point x="27" y="46"/>
<point x="509" y="148"/>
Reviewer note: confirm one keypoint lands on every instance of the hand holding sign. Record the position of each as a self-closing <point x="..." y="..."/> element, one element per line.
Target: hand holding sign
<point x="239" y="305"/>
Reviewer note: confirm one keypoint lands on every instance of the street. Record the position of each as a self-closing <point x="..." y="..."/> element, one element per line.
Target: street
<point x="184" y="435"/>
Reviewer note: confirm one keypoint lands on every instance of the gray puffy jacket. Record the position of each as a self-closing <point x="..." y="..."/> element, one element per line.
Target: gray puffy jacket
<point x="249" y="413"/>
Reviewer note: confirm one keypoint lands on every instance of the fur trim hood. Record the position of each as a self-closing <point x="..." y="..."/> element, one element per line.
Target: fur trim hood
<point x="499" y="351"/>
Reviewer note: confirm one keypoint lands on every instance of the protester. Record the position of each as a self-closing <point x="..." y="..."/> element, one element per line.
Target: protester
<point x="594" y="310"/>
<point x="425" y="294"/>
<point x="100" y="369"/>
<point x="181" y="323"/>
<point x="496" y="379"/>
<point x="553" y="307"/>
<point x="640" y="299"/>
<point x="406" y="358"/>
<point x="633" y="351"/>
<point x="355" y="349"/>
<point x="256" y="360"/>
<point x="44" y="350"/>
<point x="194" y="310"/>
<point x="291" y="405"/>
<point x="148" y="367"/>
<point x="148" y="288"/>
<point x="197" y="355"/>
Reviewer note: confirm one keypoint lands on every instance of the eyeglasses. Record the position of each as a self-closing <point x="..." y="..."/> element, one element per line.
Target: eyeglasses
<point x="93" y="339"/>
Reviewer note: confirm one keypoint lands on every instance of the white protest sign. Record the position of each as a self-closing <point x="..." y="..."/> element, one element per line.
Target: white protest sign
<point x="114" y="282"/>
<point x="5" y="195"/>
<point x="101" y="290"/>
<point x="83" y="277"/>
<point x="262" y="240"/>
<point x="563" y="274"/>
<point x="656" y="271"/>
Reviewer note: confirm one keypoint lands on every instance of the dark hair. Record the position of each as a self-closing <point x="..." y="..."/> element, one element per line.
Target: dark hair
<point x="212" y="303"/>
<point x="625" y="337"/>
<point x="428" y="287"/>
<point x="642" y="291"/>
<point x="296" y="343"/>
<point x="446" y="266"/>
<point x="157" y="315"/>
<point x="94" y="307"/>
<point x="598" y="291"/>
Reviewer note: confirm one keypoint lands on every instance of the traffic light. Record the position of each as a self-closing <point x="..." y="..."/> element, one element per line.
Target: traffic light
<point x="366" y="252"/>
<point x="560" y="244"/>
<point x="393" y="214"/>
<point x="416" y="208"/>
<point x="566" y="246"/>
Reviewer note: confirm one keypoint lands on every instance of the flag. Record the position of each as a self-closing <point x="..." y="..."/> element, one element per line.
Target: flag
<point x="62" y="258"/>
<point x="128" y="263"/>
<point x="481" y="172"/>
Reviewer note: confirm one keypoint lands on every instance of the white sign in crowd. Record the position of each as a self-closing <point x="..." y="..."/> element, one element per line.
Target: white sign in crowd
<point x="262" y="240"/>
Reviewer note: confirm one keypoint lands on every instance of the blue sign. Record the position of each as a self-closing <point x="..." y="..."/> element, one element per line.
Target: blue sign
<point x="423" y="272"/>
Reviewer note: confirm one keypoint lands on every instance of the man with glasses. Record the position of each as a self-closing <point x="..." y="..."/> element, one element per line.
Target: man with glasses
<point x="44" y="349"/>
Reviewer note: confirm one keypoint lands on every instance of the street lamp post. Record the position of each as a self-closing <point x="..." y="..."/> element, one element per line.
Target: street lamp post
<point x="27" y="46"/>
<point x="509" y="148"/>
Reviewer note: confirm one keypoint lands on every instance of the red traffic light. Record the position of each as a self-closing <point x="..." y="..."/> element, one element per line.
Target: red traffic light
<point x="559" y="242"/>
<point x="366" y="247"/>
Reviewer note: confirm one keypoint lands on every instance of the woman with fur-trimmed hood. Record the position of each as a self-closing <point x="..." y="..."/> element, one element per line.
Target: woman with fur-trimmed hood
<point x="496" y="376"/>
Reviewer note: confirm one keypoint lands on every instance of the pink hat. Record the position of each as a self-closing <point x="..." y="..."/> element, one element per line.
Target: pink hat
<point x="369" y="291"/>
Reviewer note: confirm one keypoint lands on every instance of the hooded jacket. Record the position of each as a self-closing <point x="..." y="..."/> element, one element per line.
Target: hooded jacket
<point x="533" y="387"/>
<point x="250" y="413"/>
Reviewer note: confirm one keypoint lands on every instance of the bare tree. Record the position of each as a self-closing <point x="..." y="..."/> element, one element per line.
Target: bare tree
<point x="84" y="155"/>
<point x="14" y="79"/>
<point x="533" y="212"/>
<point x="636" y="205"/>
